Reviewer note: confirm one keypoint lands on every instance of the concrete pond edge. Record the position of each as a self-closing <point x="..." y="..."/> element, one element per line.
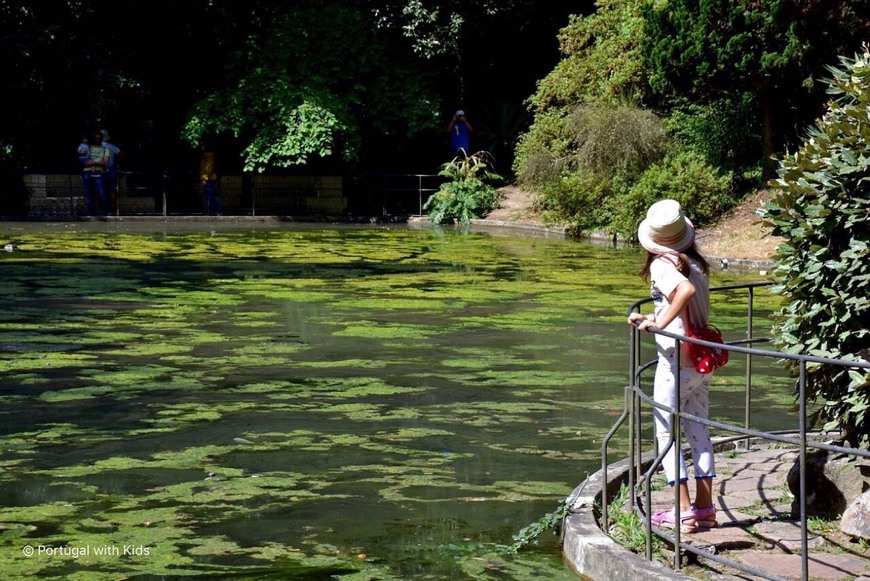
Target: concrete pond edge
<point x="592" y="553"/>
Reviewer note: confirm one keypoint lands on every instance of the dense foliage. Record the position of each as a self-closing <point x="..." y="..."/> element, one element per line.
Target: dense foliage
<point x="730" y="82"/>
<point x="823" y="211"/>
<point x="599" y="166"/>
<point x="372" y="80"/>
<point x="285" y="110"/>
<point x="768" y="50"/>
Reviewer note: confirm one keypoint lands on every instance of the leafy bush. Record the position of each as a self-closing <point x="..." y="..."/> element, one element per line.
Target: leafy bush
<point x="543" y="152"/>
<point x="577" y="161"/>
<point x="823" y="211"/>
<point x="467" y="194"/>
<point x="602" y="59"/>
<point x="685" y="176"/>
<point x="619" y="140"/>
<point x="724" y="131"/>
<point x="578" y="199"/>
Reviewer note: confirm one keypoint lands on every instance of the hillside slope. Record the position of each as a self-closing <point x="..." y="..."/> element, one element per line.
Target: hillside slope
<point x="738" y="234"/>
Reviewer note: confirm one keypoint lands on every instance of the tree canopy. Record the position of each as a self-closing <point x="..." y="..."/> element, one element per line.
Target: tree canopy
<point x="771" y="49"/>
<point x="370" y="81"/>
<point x="732" y="83"/>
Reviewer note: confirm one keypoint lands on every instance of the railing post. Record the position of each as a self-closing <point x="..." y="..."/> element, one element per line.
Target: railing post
<point x="676" y="425"/>
<point x="632" y="384"/>
<point x="748" y="380"/>
<point x="420" y="195"/>
<point x="163" y="181"/>
<point x="802" y="421"/>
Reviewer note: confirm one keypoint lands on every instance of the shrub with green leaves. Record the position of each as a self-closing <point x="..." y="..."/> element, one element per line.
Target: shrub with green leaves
<point x="579" y="159"/>
<point x="703" y="191"/>
<point x="823" y="211"/>
<point x="723" y="130"/>
<point x="543" y="152"/>
<point x="467" y="193"/>
<point x="578" y="199"/>
<point x="622" y="140"/>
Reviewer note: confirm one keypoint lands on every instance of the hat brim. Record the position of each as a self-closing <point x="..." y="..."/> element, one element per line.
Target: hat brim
<point x="683" y="243"/>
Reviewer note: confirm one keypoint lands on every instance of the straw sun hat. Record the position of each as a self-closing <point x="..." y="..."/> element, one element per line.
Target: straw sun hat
<point x="666" y="228"/>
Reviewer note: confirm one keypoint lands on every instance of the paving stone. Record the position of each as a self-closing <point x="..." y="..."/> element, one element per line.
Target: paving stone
<point x="734" y="501"/>
<point x="755" y="526"/>
<point x="725" y="537"/>
<point x="822" y="566"/>
<point x="786" y="535"/>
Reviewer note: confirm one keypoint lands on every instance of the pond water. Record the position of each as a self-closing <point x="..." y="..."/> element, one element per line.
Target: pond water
<point x="308" y="402"/>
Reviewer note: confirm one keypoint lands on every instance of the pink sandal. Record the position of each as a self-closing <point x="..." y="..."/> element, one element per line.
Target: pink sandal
<point x="665" y="519"/>
<point x="705" y="518"/>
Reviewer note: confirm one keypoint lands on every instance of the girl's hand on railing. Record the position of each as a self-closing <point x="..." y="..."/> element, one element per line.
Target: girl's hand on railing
<point x="642" y="322"/>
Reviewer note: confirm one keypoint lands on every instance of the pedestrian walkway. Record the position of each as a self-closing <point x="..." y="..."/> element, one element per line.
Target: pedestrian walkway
<point x="755" y="527"/>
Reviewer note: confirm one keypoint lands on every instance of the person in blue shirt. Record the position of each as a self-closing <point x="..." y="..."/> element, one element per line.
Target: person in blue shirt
<point x="460" y="134"/>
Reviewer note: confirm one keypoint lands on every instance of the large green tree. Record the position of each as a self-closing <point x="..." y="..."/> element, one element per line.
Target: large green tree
<point x="770" y="49"/>
<point x="139" y="72"/>
<point x="311" y="83"/>
<point x="601" y="58"/>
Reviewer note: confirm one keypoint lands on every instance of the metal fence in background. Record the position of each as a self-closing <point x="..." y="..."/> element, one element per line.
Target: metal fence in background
<point x="61" y="196"/>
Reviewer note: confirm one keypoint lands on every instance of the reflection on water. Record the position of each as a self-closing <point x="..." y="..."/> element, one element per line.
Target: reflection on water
<point x="290" y="401"/>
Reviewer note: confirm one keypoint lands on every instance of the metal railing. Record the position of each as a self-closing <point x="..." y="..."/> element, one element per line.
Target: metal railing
<point x="161" y="193"/>
<point x="399" y="193"/>
<point x="635" y="398"/>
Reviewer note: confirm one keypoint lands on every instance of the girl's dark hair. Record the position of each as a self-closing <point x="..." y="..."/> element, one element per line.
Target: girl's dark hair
<point x="691" y="252"/>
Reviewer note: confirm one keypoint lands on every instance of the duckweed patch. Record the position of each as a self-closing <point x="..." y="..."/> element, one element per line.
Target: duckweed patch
<point x="306" y="402"/>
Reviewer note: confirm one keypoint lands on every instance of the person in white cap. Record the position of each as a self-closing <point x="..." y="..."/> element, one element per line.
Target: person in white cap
<point x="460" y="134"/>
<point x="679" y="286"/>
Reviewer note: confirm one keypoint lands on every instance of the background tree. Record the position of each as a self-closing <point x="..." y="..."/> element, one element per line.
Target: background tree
<point x="288" y="102"/>
<point x="601" y="66"/>
<point x="140" y="72"/>
<point x="823" y="212"/>
<point x="729" y="81"/>
<point x="720" y="51"/>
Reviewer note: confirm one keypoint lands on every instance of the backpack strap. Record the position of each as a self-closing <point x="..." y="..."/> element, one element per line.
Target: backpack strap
<point x="670" y="258"/>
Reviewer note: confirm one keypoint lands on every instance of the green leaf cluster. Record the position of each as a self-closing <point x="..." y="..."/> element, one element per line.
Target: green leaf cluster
<point x="601" y="59"/>
<point x="823" y="212"/>
<point x="311" y="83"/>
<point x="467" y="193"/>
<point x="552" y="521"/>
<point x="592" y="142"/>
<point x="600" y="167"/>
<point x="727" y="82"/>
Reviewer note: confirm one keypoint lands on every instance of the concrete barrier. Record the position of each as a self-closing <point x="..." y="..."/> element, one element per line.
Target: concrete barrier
<point x="593" y="554"/>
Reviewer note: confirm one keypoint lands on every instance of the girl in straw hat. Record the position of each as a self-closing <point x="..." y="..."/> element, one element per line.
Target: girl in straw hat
<point x="678" y="276"/>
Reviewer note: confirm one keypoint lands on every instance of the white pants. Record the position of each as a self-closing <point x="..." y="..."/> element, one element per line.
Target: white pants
<point x="695" y="400"/>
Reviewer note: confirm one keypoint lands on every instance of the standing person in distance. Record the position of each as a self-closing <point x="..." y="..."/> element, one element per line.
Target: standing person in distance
<point x="93" y="169"/>
<point x="111" y="175"/>
<point x="208" y="179"/>
<point x="460" y="134"/>
<point x="679" y="285"/>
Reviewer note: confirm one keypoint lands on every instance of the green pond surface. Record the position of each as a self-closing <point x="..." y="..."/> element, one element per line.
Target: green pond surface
<point x="256" y="401"/>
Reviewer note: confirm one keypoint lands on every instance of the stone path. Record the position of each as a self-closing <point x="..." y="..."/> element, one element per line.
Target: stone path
<point x="755" y="525"/>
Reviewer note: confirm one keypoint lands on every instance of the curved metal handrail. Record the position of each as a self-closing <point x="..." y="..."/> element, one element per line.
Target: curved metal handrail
<point x="635" y="397"/>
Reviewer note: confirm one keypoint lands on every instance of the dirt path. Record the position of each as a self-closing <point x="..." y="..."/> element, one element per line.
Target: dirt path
<point x="738" y="235"/>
